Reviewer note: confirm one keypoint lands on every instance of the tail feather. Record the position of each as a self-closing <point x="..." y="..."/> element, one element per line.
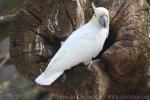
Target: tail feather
<point x="47" y="80"/>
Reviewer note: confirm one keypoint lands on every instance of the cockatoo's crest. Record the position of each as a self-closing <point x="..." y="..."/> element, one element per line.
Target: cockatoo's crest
<point x="101" y="16"/>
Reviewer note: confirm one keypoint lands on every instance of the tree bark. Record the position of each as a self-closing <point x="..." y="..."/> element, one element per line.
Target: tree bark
<point x="40" y="26"/>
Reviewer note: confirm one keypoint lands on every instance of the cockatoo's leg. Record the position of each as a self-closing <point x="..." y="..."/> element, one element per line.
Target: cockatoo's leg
<point x="87" y="62"/>
<point x="93" y="61"/>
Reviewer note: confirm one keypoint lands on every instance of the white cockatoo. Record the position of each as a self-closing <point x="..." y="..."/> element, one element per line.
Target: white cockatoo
<point x="81" y="46"/>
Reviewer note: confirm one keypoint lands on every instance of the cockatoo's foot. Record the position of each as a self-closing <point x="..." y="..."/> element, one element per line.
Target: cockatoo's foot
<point x="87" y="62"/>
<point x="93" y="61"/>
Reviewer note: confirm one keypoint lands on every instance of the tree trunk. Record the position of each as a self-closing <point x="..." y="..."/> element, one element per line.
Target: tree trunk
<point x="39" y="28"/>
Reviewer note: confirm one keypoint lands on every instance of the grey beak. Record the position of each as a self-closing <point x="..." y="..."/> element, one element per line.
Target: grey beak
<point x="103" y="20"/>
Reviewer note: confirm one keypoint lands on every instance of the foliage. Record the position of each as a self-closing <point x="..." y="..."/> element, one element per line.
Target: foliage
<point x="6" y="5"/>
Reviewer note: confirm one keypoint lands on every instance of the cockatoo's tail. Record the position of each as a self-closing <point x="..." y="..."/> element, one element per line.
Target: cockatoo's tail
<point x="81" y="46"/>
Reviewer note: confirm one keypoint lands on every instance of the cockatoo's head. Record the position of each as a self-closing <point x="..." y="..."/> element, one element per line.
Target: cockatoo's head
<point x="101" y="16"/>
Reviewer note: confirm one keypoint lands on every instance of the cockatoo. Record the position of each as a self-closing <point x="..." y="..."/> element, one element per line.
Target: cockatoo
<point x="81" y="46"/>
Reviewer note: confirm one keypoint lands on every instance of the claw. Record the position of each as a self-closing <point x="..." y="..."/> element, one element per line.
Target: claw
<point x="93" y="61"/>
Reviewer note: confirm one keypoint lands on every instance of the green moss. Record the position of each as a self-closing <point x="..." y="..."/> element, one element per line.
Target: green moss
<point x="9" y="4"/>
<point x="4" y="30"/>
<point x="6" y="6"/>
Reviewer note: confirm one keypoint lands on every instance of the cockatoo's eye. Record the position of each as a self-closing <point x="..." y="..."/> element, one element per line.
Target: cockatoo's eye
<point x="103" y="20"/>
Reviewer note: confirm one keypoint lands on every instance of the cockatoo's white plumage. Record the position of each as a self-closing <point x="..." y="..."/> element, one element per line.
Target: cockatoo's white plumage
<point x="81" y="46"/>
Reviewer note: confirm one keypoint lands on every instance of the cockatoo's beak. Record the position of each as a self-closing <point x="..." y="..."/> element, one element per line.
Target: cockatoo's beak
<point x="103" y="20"/>
<point x="93" y="6"/>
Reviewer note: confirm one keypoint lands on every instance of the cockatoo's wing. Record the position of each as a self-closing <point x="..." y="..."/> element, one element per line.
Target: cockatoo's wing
<point x="75" y="50"/>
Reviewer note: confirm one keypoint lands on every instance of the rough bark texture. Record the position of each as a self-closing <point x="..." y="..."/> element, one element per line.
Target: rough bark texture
<point x="40" y="26"/>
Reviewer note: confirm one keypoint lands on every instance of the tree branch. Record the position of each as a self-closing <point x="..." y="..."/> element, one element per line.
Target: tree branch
<point x="6" y="19"/>
<point x="4" y="25"/>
